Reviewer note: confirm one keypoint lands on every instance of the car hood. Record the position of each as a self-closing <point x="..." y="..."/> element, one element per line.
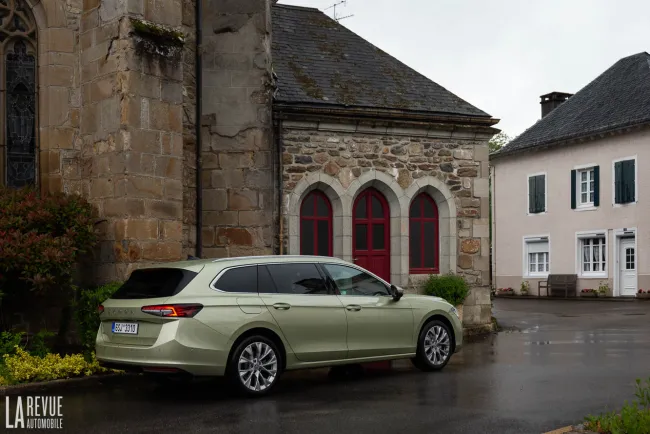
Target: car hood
<point x="415" y="299"/>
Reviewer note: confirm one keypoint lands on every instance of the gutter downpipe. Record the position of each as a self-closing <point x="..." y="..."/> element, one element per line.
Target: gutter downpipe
<point x="198" y="73"/>
<point x="280" y="188"/>
<point x="493" y="206"/>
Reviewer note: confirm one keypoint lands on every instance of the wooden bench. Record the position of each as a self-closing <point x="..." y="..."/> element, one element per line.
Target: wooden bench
<point x="559" y="284"/>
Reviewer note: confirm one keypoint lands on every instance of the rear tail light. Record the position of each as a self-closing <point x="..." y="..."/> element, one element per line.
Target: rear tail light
<point x="100" y="309"/>
<point x="173" y="310"/>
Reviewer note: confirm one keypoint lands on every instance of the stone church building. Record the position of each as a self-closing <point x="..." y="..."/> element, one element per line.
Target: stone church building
<point x="301" y="138"/>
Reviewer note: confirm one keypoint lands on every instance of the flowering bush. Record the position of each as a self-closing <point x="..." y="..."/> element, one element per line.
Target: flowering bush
<point x="42" y="238"/>
<point x="23" y="367"/>
<point x="508" y="290"/>
<point x="641" y="291"/>
<point x="588" y="291"/>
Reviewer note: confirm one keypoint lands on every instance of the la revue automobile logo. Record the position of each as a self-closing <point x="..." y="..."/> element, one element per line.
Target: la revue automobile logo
<point x="34" y="412"/>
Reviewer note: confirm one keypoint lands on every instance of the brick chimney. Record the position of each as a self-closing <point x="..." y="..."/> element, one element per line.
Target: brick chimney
<point x="552" y="100"/>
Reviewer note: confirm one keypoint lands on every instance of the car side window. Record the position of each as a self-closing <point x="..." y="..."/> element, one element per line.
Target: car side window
<point x="298" y="279"/>
<point x="239" y="279"/>
<point x="351" y="281"/>
<point x="265" y="284"/>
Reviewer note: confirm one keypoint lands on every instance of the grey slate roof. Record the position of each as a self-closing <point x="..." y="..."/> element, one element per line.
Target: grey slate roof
<point x="618" y="98"/>
<point x="318" y="61"/>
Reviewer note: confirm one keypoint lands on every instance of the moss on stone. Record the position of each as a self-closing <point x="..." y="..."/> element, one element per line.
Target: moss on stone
<point x="345" y="93"/>
<point x="162" y="34"/>
<point x="324" y="22"/>
<point x="307" y="83"/>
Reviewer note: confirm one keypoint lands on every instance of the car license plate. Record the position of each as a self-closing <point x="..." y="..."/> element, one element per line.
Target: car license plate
<point x="125" y="328"/>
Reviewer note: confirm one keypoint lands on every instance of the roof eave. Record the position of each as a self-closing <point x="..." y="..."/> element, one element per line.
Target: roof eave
<point x="382" y="113"/>
<point x="615" y="131"/>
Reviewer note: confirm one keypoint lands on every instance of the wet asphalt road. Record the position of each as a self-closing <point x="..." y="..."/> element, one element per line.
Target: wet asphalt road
<point x="554" y="363"/>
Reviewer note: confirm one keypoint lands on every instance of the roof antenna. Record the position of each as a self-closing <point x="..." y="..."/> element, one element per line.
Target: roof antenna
<point x="334" y="6"/>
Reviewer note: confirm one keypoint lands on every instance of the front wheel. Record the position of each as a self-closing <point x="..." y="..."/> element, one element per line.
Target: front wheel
<point x="434" y="347"/>
<point x="255" y="366"/>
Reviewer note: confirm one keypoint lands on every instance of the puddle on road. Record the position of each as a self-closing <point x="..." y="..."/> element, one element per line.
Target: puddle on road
<point x="582" y="341"/>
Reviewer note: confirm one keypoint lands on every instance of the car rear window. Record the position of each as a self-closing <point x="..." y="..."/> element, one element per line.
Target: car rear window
<point x="154" y="283"/>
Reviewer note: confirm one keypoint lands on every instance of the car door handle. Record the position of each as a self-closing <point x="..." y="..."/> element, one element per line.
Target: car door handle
<point x="353" y="308"/>
<point x="282" y="306"/>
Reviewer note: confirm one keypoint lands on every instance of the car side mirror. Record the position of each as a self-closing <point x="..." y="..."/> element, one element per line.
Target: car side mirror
<point x="396" y="292"/>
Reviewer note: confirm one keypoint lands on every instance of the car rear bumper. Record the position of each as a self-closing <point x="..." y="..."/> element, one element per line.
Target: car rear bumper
<point x="180" y="347"/>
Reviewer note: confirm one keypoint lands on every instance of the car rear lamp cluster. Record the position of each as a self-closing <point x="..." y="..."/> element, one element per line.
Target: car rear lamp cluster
<point x="173" y="310"/>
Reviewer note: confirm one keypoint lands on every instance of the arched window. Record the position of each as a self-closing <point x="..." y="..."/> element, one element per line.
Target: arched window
<point x="316" y="225"/>
<point x="371" y="233"/>
<point x="17" y="94"/>
<point x="424" y="236"/>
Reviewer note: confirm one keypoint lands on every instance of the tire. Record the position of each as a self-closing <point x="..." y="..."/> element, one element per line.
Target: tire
<point x="433" y="353"/>
<point x="255" y="366"/>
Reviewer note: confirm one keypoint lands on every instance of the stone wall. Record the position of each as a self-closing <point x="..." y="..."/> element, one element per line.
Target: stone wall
<point x="189" y="130"/>
<point x="343" y="159"/>
<point x="131" y="131"/>
<point x="59" y="103"/>
<point x="237" y="170"/>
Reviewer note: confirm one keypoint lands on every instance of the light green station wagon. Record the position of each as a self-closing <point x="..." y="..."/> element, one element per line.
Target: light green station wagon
<point x="252" y="318"/>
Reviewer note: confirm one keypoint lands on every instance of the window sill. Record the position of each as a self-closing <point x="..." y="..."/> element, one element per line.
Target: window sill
<point x="537" y="276"/>
<point x="623" y="205"/>
<point x="424" y="271"/>
<point x="586" y="208"/>
<point x="593" y="275"/>
<point x="536" y="213"/>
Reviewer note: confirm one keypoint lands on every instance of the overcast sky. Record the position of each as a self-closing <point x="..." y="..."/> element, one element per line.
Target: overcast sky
<point x="502" y="55"/>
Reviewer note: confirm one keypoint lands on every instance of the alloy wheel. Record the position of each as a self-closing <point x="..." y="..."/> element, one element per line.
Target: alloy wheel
<point x="437" y="345"/>
<point x="258" y="366"/>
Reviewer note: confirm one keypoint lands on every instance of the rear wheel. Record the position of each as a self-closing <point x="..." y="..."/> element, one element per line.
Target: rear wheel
<point x="434" y="347"/>
<point x="255" y="366"/>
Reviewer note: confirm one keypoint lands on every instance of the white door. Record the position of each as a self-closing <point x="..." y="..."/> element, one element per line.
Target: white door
<point x="627" y="267"/>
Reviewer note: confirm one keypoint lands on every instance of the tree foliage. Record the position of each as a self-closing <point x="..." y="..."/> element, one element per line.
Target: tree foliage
<point x="498" y="141"/>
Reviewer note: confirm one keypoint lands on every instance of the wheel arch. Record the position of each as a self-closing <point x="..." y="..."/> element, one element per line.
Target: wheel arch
<point x="261" y="331"/>
<point x="439" y="316"/>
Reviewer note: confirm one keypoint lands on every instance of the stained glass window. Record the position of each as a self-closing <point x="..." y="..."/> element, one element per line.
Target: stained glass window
<point x="18" y="95"/>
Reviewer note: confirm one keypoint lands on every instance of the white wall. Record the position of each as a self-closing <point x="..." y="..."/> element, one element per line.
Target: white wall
<point x="511" y="221"/>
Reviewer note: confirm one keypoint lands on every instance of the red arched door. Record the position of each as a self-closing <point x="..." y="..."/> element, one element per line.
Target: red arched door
<point x="370" y="233"/>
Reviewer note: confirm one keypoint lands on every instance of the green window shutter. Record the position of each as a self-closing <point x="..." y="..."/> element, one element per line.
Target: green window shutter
<point x="540" y="191"/>
<point x="574" y="188"/>
<point x="597" y="186"/>
<point x="618" y="182"/>
<point x="531" y="195"/>
<point x="630" y="184"/>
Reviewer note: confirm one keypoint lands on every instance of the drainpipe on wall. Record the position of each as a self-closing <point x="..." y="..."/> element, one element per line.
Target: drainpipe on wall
<point x="280" y="189"/>
<point x="198" y="73"/>
<point x="493" y="224"/>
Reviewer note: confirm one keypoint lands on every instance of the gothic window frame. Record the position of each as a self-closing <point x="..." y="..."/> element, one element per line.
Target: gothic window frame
<point x="19" y="97"/>
<point x="427" y="261"/>
<point x="309" y="220"/>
